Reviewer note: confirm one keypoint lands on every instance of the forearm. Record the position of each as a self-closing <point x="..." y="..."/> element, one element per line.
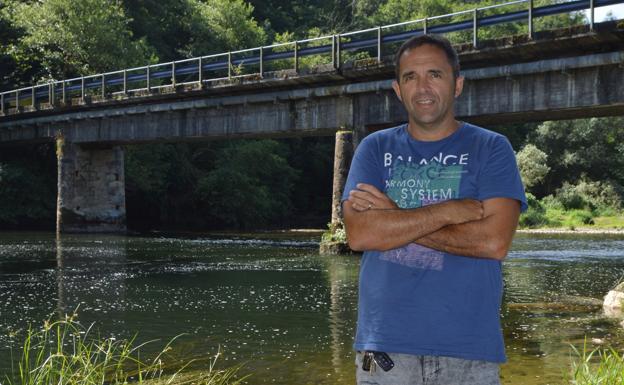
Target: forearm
<point x="466" y="239"/>
<point x="390" y="228"/>
<point x="489" y="237"/>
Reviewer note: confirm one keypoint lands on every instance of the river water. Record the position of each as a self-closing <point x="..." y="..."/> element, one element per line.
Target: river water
<point x="270" y="302"/>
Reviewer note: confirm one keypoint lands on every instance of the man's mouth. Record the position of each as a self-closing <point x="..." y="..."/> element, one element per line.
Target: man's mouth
<point x="425" y="101"/>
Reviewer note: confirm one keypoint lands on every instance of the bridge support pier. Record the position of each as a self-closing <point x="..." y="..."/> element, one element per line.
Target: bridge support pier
<point x="91" y="189"/>
<point x="342" y="161"/>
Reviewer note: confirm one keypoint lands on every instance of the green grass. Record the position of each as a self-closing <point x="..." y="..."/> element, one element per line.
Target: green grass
<point x="598" y="367"/>
<point x="556" y="218"/>
<point x="64" y="352"/>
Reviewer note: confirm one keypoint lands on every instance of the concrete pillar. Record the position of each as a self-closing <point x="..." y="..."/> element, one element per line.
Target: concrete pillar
<point x="91" y="189"/>
<point x="342" y="161"/>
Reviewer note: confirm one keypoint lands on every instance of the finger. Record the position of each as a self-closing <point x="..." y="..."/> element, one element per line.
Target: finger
<point x="362" y="195"/>
<point x="369" y="188"/>
<point x="359" y="207"/>
<point x="361" y="202"/>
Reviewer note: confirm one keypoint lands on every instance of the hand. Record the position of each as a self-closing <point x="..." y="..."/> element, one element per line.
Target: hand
<point x="367" y="197"/>
<point x="464" y="210"/>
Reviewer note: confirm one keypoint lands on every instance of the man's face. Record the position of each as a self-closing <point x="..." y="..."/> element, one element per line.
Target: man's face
<point x="427" y="88"/>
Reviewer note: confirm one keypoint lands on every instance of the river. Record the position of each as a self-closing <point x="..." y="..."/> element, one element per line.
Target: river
<point x="270" y="302"/>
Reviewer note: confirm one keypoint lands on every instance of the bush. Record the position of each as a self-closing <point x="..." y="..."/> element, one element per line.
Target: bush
<point x="571" y="199"/>
<point x="581" y="217"/>
<point x="532" y="165"/>
<point x="535" y="216"/>
<point x="591" y="195"/>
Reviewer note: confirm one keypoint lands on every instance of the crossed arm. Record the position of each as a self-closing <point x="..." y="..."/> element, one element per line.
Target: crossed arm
<point x="464" y="227"/>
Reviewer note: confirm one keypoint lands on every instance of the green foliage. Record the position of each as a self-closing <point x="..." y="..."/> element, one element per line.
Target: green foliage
<point x="532" y="165"/>
<point x="590" y="195"/>
<point x="335" y="233"/>
<point x="9" y="34"/>
<point x="28" y="187"/>
<point x="250" y="186"/>
<point x="160" y="179"/>
<point x="217" y="26"/>
<point x="69" y="38"/>
<point x="592" y="147"/>
<point x="535" y="216"/>
<point x="161" y="23"/>
<point x="26" y="196"/>
<point x="584" y="217"/>
<point x="599" y="366"/>
<point x="66" y="352"/>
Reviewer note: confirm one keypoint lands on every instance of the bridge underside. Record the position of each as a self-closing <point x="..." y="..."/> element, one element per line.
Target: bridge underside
<point x="530" y="81"/>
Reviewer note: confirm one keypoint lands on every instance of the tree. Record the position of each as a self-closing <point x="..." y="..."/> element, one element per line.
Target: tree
<point x="217" y="26"/>
<point x="161" y="23"/>
<point x="160" y="180"/>
<point x="28" y="187"/>
<point x="532" y="165"/>
<point x="592" y="147"/>
<point x="69" y="38"/>
<point x="249" y="187"/>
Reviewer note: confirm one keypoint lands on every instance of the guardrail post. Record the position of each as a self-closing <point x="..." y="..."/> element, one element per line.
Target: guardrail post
<point x="475" y="31"/>
<point x="64" y="93"/>
<point x="82" y="88"/>
<point x="33" y="97"/>
<point x="261" y="63"/>
<point x="591" y="15"/>
<point x="531" y="19"/>
<point x="338" y="51"/>
<point x="425" y="25"/>
<point x="147" y="79"/>
<point x="16" y="101"/>
<point x="2" y="104"/>
<point x="125" y="82"/>
<point x="334" y="51"/>
<point x="379" y="44"/>
<point x="51" y="95"/>
<point x="173" y="79"/>
<point x="296" y="56"/>
<point x="199" y="72"/>
<point x="103" y="87"/>
<point x="229" y="65"/>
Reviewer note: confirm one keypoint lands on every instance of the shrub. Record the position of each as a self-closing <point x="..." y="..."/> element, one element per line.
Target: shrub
<point x="570" y="198"/>
<point x="592" y="195"/>
<point x="535" y="214"/>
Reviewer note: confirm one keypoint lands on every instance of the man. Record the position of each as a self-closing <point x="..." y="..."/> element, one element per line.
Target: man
<point x="434" y="205"/>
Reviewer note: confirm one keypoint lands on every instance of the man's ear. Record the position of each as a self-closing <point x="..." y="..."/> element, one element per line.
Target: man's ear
<point x="459" y="85"/>
<point x="397" y="90"/>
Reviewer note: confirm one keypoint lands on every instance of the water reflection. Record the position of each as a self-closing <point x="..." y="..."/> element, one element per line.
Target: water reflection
<point x="89" y="281"/>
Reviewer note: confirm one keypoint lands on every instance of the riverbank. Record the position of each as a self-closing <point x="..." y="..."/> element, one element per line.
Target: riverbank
<point x="579" y="230"/>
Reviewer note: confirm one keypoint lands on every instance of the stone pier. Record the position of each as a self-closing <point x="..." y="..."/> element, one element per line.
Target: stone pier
<point x="342" y="161"/>
<point x="91" y="188"/>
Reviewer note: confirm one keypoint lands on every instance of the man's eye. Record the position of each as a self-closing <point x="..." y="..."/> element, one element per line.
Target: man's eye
<point x="435" y="75"/>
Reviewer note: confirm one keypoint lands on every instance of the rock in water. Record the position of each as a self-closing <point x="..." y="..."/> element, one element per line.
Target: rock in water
<point x="612" y="304"/>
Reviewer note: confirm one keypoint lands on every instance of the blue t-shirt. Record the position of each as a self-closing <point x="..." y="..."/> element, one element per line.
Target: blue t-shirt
<point x="416" y="300"/>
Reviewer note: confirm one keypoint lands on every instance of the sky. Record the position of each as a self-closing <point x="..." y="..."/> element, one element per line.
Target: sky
<point x="601" y="12"/>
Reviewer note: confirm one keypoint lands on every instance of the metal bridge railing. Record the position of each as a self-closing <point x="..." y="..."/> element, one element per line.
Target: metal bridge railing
<point x="199" y="71"/>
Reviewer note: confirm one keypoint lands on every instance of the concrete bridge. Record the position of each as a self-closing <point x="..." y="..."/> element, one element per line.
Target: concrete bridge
<point x="563" y="74"/>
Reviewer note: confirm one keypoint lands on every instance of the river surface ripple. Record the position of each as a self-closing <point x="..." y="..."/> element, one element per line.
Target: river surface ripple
<point x="286" y="313"/>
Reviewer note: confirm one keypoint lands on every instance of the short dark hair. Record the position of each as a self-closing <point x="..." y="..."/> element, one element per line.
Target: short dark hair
<point x="435" y="40"/>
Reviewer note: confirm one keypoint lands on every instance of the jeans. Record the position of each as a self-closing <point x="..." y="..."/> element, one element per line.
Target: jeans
<point x="429" y="370"/>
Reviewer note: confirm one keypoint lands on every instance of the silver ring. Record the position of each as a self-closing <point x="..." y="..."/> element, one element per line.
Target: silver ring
<point x="370" y="205"/>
